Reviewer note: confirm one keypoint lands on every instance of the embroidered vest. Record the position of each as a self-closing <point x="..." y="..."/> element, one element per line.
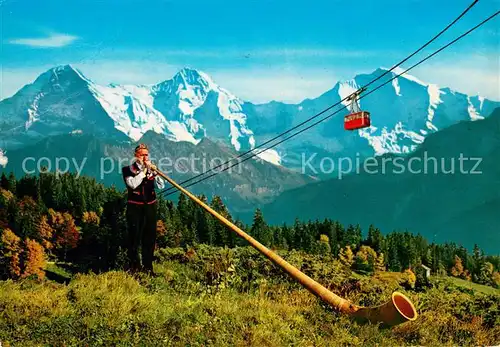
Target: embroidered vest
<point x="145" y="192"/>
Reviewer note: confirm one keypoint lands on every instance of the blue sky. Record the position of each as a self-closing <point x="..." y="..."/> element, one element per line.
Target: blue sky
<point x="259" y="50"/>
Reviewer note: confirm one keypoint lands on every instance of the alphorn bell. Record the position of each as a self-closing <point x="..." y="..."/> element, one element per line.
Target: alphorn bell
<point x="396" y="311"/>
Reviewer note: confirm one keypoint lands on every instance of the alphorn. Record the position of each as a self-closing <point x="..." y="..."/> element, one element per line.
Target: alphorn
<point x="396" y="311"/>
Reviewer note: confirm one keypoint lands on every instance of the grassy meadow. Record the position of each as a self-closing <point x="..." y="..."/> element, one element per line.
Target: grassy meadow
<point x="213" y="296"/>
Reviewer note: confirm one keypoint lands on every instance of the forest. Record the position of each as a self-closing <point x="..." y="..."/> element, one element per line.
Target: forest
<point x="60" y="228"/>
<point x="73" y="219"/>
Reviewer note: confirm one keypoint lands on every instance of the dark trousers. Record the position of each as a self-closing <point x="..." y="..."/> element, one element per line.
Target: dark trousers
<point x="141" y="233"/>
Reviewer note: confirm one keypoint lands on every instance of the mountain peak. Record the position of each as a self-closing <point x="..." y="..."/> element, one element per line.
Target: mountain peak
<point x="64" y="68"/>
<point x="186" y="77"/>
<point x="191" y="76"/>
<point x="399" y="70"/>
<point x="188" y="71"/>
<point x="65" y="72"/>
<point x="68" y="69"/>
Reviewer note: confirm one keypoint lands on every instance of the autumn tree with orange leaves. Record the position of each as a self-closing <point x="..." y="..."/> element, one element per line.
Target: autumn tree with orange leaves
<point x="45" y="233"/>
<point x="10" y="254"/>
<point x="34" y="260"/>
<point x="66" y="233"/>
<point x="458" y="268"/>
<point x="20" y="259"/>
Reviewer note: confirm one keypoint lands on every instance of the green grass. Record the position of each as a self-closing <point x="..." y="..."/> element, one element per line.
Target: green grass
<point x="234" y="298"/>
<point x="473" y="286"/>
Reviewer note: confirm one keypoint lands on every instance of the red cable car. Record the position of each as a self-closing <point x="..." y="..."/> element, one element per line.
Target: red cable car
<point x="356" y="119"/>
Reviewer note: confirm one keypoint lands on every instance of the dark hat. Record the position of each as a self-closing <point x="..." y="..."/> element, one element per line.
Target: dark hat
<point x="141" y="146"/>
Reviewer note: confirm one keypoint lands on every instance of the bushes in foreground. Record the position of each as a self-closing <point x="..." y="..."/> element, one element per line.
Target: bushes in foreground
<point x="215" y="296"/>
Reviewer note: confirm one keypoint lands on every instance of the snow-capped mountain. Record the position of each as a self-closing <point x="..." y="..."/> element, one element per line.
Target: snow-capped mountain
<point x="199" y="107"/>
<point x="3" y="158"/>
<point x="63" y="100"/>
<point x="58" y="101"/>
<point x="451" y="200"/>
<point x="191" y="106"/>
<point x="403" y="112"/>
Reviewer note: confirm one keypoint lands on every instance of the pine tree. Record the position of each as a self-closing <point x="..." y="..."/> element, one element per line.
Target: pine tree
<point x="341" y="237"/>
<point x="201" y="220"/>
<point x="346" y="256"/>
<point x="260" y="230"/>
<point x="328" y="229"/>
<point x="184" y="209"/>
<point x="353" y="236"/>
<point x="46" y="189"/>
<point x="188" y="236"/>
<point x="90" y="227"/>
<point x="486" y="274"/>
<point x="409" y="252"/>
<point x="4" y="182"/>
<point x="162" y="211"/>
<point x="393" y="256"/>
<point x="466" y="259"/>
<point x="323" y="245"/>
<point x="428" y="259"/>
<point x="365" y="259"/>
<point x="57" y="195"/>
<point x="79" y="199"/>
<point x="436" y="258"/>
<point x="212" y="227"/>
<point x="223" y="236"/>
<point x="310" y="236"/>
<point x="177" y="228"/>
<point x="298" y="232"/>
<point x="287" y="233"/>
<point x="29" y="215"/>
<point x="277" y="236"/>
<point x="5" y="198"/>
<point x="12" y="183"/>
<point x="239" y="241"/>
<point x="166" y="236"/>
<point x="375" y="239"/>
<point x="13" y="214"/>
<point x="380" y="263"/>
<point x="478" y="261"/>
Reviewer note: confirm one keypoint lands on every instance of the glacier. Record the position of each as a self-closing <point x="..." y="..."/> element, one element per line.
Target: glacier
<point x="191" y="105"/>
<point x="3" y="158"/>
<point x="63" y="100"/>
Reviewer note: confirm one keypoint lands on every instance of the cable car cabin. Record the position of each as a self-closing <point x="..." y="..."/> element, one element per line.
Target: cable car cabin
<point x="357" y="120"/>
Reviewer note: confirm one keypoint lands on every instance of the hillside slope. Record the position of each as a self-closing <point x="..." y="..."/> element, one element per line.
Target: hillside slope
<point x="414" y="193"/>
<point x="241" y="187"/>
<point x="254" y="305"/>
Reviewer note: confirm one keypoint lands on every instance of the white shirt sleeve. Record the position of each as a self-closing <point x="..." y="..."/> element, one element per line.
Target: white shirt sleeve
<point x="134" y="181"/>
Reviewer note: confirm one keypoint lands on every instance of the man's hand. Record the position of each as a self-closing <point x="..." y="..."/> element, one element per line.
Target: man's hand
<point x="150" y="165"/>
